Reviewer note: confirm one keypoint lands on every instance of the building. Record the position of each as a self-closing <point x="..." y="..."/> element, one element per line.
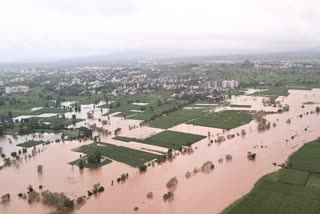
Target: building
<point x="230" y="84"/>
<point x="16" y="90"/>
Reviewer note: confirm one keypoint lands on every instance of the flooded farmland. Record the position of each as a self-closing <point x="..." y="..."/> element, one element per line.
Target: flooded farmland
<point x="200" y="193"/>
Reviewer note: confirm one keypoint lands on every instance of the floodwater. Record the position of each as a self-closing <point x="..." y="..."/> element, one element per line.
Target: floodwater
<point x="201" y="193"/>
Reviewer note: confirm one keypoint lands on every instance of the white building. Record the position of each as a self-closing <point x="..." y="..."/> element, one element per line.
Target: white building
<point x="16" y="90"/>
<point x="230" y="84"/>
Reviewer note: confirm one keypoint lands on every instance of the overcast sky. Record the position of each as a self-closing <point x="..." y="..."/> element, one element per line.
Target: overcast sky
<point x="57" y="29"/>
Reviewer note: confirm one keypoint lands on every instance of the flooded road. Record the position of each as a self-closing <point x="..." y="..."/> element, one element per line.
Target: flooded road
<point x="202" y="193"/>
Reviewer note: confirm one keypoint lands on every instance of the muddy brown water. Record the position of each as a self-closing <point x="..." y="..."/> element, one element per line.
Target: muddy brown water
<point x="202" y="193"/>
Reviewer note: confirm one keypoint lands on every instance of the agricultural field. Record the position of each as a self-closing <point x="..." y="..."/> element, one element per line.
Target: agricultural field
<point x="275" y="92"/>
<point x="167" y="139"/>
<point x="307" y="158"/>
<point x="288" y="190"/>
<point x="22" y="104"/>
<point x="176" y="118"/>
<point x="57" y="121"/>
<point x="121" y="154"/>
<point x="88" y="165"/>
<point x="30" y="143"/>
<point x="172" y="139"/>
<point x="240" y="106"/>
<point x="228" y="119"/>
<point x="144" y="106"/>
<point x="125" y="104"/>
<point x="47" y="111"/>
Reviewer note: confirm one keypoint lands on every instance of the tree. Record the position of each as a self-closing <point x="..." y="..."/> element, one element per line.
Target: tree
<point x="142" y="168"/>
<point x="95" y="157"/>
<point x="10" y="114"/>
<point x="1" y="131"/>
<point x="81" y="164"/>
<point x="142" y="108"/>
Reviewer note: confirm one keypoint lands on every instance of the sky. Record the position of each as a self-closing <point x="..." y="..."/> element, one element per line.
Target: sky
<point x="35" y="30"/>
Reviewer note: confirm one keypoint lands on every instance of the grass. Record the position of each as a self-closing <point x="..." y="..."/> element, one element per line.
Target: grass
<point x="293" y="176"/>
<point x="158" y="110"/>
<point x="313" y="181"/>
<point x="126" y="102"/>
<point x="172" y="139"/>
<point x="127" y="139"/>
<point x="285" y="191"/>
<point x="176" y="118"/>
<point x="167" y="139"/>
<point x="23" y="104"/>
<point x="307" y="158"/>
<point x="224" y="120"/>
<point x="58" y="120"/>
<point x="48" y="110"/>
<point x="240" y="106"/>
<point x="121" y="154"/>
<point x="71" y="133"/>
<point x="310" y="103"/>
<point x="88" y="165"/>
<point x="30" y="143"/>
<point x="275" y="92"/>
<point x="152" y="109"/>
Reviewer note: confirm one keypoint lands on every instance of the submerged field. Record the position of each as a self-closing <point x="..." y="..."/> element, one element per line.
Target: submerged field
<point x="122" y="154"/>
<point x="290" y="190"/>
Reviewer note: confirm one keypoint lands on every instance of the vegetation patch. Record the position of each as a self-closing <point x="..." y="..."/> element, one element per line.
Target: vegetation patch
<point x="293" y="176"/>
<point x="224" y="120"/>
<point x="30" y="143"/>
<point x="240" y="106"/>
<point x="313" y="181"/>
<point x="84" y="163"/>
<point x="173" y="140"/>
<point x="167" y="139"/>
<point x="48" y="111"/>
<point x="131" y="157"/>
<point x="285" y="191"/>
<point x="176" y="118"/>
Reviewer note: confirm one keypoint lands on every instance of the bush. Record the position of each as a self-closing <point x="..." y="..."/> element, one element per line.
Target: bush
<point x="142" y="168"/>
<point x="101" y="189"/>
<point x="81" y="164"/>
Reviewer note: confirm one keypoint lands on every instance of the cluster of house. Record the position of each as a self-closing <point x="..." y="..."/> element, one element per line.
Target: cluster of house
<point x="17" y="89"/>
<point x="222" y="84"/>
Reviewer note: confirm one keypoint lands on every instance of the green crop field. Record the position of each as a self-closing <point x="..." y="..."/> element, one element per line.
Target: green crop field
<point x="275" y="92"/>
<point x="288" y="190"/>
<point x="240" y="106"/>
<point x="228" y="119"/>
<point x="313" y="181"/>
<point x="172" y="139"/>
<point x="88" y="165"/>
<point x="48" y="110"/>
<point x="293" y="176"/>
<point x="148" y="114"/>
<point x="30" y="143"/>
<point x="58" y="120"/>
<point x="155" y="105"/>
<point x="167" y="139"/>
<point x="176" y="118"/>
<point x="121" y="154"/>
<point x="307" y="158"/>
<point x="22" y="104"/>
<point x="126" y="103"/>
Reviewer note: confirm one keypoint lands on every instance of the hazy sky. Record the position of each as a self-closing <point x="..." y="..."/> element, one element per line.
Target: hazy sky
<point x="54" y="29"/>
